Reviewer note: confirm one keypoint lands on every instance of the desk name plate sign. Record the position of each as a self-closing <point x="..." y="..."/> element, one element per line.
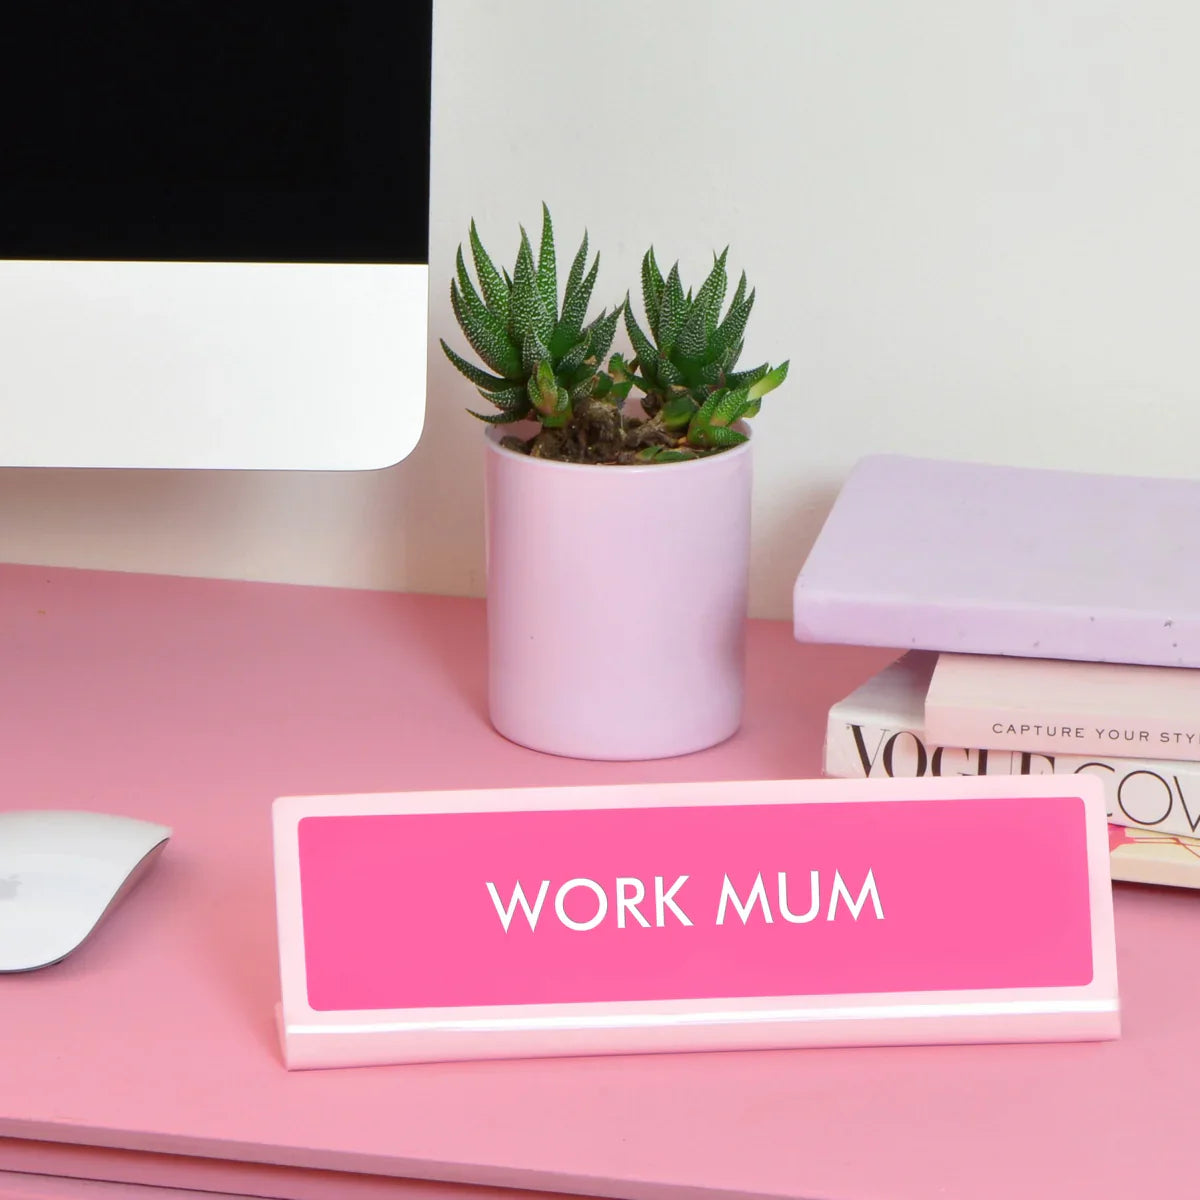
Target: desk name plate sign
<point x="432" y="926"/>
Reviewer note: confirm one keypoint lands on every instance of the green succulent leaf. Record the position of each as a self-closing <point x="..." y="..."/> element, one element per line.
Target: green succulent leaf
<point x="486" y="333"/>
<point x="574" y="357"/>
<point x="583" y="389"/>
<point x="729" y="332"/>
<point x="535" y="353"/>
<point x="620" y="378"/>
<point x="665" y="454"/>
<point x="746" y="378"/>
<point x="692" y="341"/>
<point x="719" y="340"/>
<point x="669" y="375"/>
<point x="618" y="389"/>
<point x="769" y="382"/>
<point x="739" y="292"/>
<point x="652" y="290"/>
<point x="500" y="418"/>
<point x="711" y="424"/>
<point x="618" y="368"/>
<point x="712" y="291"/>
<point x="495" y="289"/>
<point x="560" y="414"/>
<point x="643" y="348"/>
<point x="509" y="400"/>
<point x="543" y="388"/>
<point x="672" y="314"/>
<point x="527" y="312"/>
<point x="601" y="333"/>
<point x="575" y="303"/>
<point x="730" y="406"/>
<point x="678" y="410"/>
<point x="478" y="377"/>
<point x="465" y="286"/>
<point x="720" y="436"/>
<point x="547" y="271"/>
<point x="701" y="433"/>
<point x="729" y="357"/>
<point x="704" y="414"/>
<point x="751" y="409"/>
<point x="578" y="266"/>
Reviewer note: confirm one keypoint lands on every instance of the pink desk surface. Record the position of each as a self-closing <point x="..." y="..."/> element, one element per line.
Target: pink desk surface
<point x="197" y="702"/>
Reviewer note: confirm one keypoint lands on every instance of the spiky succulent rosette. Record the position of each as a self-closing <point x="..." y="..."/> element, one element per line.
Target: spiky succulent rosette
<point x="542" y="361"/>
<point x="684" y="364"/>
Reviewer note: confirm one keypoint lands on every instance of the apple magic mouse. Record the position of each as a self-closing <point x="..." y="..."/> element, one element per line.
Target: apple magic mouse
<point x="61" y="873"/>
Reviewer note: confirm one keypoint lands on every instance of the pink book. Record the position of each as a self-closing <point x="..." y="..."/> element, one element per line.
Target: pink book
<point x="1059" y="707"/>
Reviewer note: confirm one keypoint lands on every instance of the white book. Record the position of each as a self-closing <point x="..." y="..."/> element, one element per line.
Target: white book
<point x="878" y="730"/>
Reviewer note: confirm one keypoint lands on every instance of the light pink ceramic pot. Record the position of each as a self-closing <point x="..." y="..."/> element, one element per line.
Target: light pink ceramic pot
<point x="616" y="603"/>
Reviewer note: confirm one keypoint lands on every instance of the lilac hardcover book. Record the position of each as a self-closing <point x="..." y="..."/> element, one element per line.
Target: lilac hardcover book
<point x="1023" y="561"/>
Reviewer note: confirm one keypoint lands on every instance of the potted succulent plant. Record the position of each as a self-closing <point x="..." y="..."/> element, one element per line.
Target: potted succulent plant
<point x="618" y="502"/>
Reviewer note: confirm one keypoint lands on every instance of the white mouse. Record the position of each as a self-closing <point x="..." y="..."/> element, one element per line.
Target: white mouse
<point x="61" y="873"/>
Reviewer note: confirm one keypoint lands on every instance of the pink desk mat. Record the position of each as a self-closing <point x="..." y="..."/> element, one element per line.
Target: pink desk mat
<point x="197" y="702"/>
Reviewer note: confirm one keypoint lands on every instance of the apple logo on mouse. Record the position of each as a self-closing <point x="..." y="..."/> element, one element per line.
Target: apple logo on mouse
<point x="9" y="886"/>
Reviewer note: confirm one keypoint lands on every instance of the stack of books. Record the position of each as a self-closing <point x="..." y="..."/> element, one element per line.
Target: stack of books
<point x="1137" y="729"/>
<point x="1052" y="623"/>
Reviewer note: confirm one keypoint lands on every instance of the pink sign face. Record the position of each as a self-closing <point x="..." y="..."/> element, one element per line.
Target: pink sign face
<point x="436" y="910"/>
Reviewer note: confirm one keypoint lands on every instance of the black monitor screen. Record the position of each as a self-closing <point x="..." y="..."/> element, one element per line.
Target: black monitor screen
<point x="227" y="130"/>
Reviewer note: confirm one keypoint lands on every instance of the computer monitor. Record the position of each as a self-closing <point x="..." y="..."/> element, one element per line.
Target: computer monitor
<point x="213" y="233"/>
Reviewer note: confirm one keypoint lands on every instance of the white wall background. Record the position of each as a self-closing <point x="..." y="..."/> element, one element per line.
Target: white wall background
<point x="974" y="229"/>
